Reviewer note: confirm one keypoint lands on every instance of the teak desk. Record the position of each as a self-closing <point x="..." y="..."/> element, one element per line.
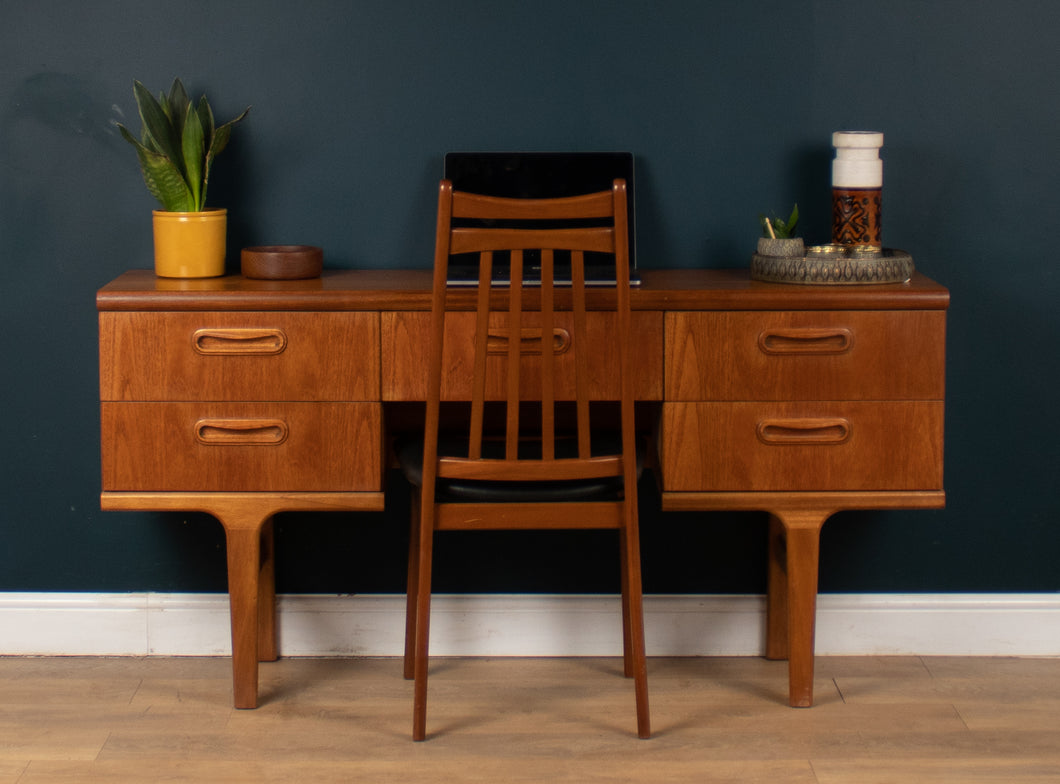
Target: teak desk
<point x="245" y="398"/>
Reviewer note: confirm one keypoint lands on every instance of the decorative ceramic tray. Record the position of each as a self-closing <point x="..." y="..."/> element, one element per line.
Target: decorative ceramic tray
<point x="835" y="265"/>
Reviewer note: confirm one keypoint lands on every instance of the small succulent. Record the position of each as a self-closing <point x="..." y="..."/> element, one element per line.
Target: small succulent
<point x="779" y="228"/>
<point x="177" y="146"/>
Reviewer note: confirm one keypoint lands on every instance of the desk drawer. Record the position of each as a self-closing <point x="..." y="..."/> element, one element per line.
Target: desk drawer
<point x="406" y="345"/>
<point x="239" y="356"/>
<point x="805" y="355"/>
<point x="802" y="446"/>
<point x="240" y="447"/>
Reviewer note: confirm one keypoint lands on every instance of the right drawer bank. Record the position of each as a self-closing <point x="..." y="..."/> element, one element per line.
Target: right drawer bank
<point x="803" y="400"/>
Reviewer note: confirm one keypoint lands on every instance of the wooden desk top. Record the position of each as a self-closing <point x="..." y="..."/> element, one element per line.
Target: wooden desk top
<point x="389" y="289"/>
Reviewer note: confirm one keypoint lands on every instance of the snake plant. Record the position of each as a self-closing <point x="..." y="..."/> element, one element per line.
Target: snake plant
<point x="177" y="146"/>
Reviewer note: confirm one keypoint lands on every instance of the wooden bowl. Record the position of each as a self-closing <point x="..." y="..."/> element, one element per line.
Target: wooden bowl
<point x="282" y="262"/>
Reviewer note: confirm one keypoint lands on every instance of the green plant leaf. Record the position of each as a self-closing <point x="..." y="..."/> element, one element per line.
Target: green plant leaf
<point x="161" y="177"/>
<point x="205" y="114"/>
<point x="192" y="144"/>
<point x="224" y="133"/>
<point x="206" y="119"/>
<point x="178" y="101"/>
<point x="218" y="142"/>
<point x="176" y="108"/>
<point x="166" y="183"/>
<point x="158" y="131"/>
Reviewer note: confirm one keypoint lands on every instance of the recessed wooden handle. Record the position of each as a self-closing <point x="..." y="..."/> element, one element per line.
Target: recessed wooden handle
<point x="530" y="341"/>
<point x="245" y="342"/>
<point x="784" y="432"/>
<point x="241" y="432"/>
<point x="807" y="340"/>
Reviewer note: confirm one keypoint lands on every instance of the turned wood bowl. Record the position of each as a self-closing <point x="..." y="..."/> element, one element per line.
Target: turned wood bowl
<point x="282" y="262"/>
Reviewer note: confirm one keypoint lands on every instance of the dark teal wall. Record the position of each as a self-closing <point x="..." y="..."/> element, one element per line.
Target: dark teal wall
<point x="729" y="107"/>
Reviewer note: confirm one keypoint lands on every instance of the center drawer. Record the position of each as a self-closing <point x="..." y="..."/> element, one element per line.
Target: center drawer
<point x="406" y="348"/>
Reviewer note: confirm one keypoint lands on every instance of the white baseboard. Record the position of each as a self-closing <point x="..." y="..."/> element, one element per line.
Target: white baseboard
<point x="92" y="624"/>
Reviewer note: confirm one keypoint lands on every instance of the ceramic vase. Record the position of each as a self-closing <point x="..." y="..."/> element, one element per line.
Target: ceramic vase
<point x="190" y="244"/>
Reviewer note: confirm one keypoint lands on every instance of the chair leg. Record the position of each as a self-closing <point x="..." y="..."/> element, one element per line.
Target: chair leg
<point x="640" y="668"/>
<point x="423" y="622"/>
<point x="412" y="589"/>
<point x="627" y="639"/>
<point x="630" y="544"/>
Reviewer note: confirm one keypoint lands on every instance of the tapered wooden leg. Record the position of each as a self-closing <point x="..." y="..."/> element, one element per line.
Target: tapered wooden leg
<point x="777" y="594"/>
<point x="268" y="650"/>
<point x="244" y="533"/>
<point x="247" y="522"/>
<point x="801" y="554"/>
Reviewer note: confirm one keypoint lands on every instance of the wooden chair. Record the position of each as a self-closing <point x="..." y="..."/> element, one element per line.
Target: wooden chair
<point x="527" y="455"/>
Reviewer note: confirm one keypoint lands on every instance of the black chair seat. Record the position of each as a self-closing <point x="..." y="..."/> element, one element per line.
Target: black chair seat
<point x="410" y="457"/>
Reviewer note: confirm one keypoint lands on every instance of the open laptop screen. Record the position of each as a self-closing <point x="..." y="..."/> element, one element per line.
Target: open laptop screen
<point x="542" y="175"/>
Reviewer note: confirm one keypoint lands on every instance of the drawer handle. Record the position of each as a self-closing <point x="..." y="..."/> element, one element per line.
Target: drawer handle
<point x="241" y="432"/>
<point x="809" y="340"/>
<point x="530" y="341"/>
<point x="786" y="432"/>
<point x="245" y="342"/>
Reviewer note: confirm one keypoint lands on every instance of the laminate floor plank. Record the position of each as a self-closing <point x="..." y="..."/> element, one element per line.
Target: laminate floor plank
<point x="1010" y="668"/>
<point x="36" y="740"/>
<point x="985" y="690"/>
<point x="948" y="771"/>
<point x="419" y="772"/>
<point x="11" y="771"/>
<point x="1015" y="716"/>
<point x="69" y="691"/>
<point x="876" y="720"/>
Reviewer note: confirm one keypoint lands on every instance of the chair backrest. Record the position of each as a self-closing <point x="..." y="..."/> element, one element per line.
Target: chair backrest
<point x="528" y="341"/>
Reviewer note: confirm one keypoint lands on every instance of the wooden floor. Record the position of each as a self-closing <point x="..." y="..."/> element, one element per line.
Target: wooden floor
<point x="894" y="719"/>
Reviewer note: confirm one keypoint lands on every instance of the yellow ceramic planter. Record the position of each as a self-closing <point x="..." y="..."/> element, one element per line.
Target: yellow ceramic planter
<point x="190" y="244"/>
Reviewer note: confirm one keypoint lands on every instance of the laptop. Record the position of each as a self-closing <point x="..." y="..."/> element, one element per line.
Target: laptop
<point x="542" y="175"/>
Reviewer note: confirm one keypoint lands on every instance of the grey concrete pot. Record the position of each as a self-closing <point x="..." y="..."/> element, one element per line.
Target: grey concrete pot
<point x="787" y="247"/>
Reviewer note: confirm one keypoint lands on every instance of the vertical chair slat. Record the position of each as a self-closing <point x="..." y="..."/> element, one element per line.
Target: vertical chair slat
<point x="478" y="391"/>
<point x="515" y="328"/>
<point x="548" y="355"/>
<point x="581" y="359"/>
